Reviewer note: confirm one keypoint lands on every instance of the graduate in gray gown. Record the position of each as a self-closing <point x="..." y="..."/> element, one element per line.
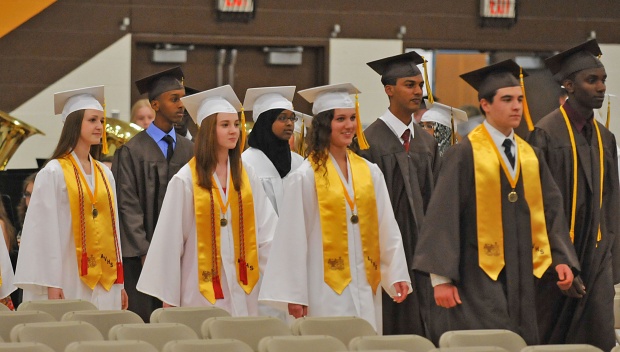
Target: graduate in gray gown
<point x="142" y="169"/>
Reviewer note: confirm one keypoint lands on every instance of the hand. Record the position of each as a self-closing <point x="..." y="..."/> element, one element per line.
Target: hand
<point x="142" y="259"/>
<point x="565" y="276"/>
<point x="297" y="310"/>
<point x="402" y="290"/>
<point x="166" y="305"/>
<point x="577" y="290"/>
<point x="55" y="293"/>
<point x="447" y="295"/>
<point x="124" y="300"/>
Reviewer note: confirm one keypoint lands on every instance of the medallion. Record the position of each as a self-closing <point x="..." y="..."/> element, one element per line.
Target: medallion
<point x="95" y="212"/>
<point x="223" y="222"/>
<point x="512" y="197"/>
<point x="355" y="219"/>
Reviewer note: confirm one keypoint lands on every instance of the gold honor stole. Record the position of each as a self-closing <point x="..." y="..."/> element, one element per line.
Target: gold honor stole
<point x="94" y="226"/>
<point x="601" y="173"/>
<point x="487" y="160"/>
<point x="208" y="227"/>
<point x="333" y="213"/>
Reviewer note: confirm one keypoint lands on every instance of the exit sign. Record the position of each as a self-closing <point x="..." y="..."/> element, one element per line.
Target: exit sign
<point x="498" y="8"/>
<point x="236" y="5"/>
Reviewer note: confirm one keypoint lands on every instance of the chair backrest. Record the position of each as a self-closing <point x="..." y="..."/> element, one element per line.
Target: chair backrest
<point x="57" y="334"/>
<point x="57" y="307"/>
<point x="4" y="308"/>
<point x="342" y="328"/>
<point x="469" y="349"/>
<point x="247" y="329"/>
<point x="617" y="312"/>
<point x="408" y="343"/>
<point x="310" y="343"/>
<point x="506" y="339"/>
<point x="563" y="348"/>
<point x="616" y="349"/>
<point x="9" y="319"/>
<point x="190" y="316"/>
<point x="24" y="347"/>
<point x="111" y="346"/>
<point x="104" y="320"/>
<point x="155" y="334"/>
<point x="212" y="345"/>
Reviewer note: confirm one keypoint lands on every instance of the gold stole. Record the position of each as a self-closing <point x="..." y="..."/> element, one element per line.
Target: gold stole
<point x="333" y="213"/>
<point x="601" y="173"/>
<point x="94" y="226"/>
<point x="208" y="228"/>
<point x="487" y="161"/>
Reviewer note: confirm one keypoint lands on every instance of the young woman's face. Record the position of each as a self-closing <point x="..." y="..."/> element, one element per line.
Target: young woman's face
<point x="92" y="127"/>
<point x="344" y="125"/>
<point x="227" y="130"/>
<point x="28" y="193"/>
<point x="144" y="116"/>
<point x="284" y="125"/>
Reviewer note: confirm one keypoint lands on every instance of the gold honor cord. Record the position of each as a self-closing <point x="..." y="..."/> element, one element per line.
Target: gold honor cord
<point x="601" y="169"/>
<point x="104" y="135"/>
<point x="426" y="82"/>
<point x="453" y="137"/>
<point x="361" y="138"/>
<point x="526" y="109"/>
<point x="608" y="111"/>
<point x="243" y="130"/>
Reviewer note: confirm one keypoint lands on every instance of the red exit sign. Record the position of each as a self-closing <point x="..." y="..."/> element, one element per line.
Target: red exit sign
<point x="236" y="5"/>
<point x="498" y="8"/>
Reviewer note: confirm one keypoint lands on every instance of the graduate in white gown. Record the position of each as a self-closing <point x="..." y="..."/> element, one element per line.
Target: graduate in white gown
<point x="274" y="123"/>
<point x="211" y="242"/>
<point x="70" y="247"/>
<point x="337" y="240"/>
<point x="6" y="270"/>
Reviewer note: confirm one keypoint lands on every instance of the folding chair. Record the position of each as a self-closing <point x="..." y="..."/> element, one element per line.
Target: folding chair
<point x="9" y="319"/>
<point x="111" y="346"/>
<point x="506" y="339"/>
<point x="309" y="343"/>
<point x="213" y="345"/>
<point x="24" y="347"/>
<point x="408" y="343"/>
<point x="57" y="307"/>
<point x="563" y="348"/>
<point x="155" y="334"/>
<point x="190" y="316"/>
<point x="342" y="328"/>
<point x="247" y="329"/>
<point x="104" y="320"/>
<point x="56" y="335"/>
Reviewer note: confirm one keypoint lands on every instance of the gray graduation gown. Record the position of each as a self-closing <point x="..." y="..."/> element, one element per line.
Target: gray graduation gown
<point x="589" y="320"/>
<point x="409" y="180"/>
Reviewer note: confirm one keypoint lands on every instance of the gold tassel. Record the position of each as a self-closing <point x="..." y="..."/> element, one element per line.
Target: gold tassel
<point x="452" y="138"/>
<point x="302" y="137"/>
<point x="526" y="109"/>
<point x="427" y="83"/>
<point x="361" y="138"/>
<point x="608" y="111"/>
<point x="104" y="135"/>
<point x="243" y="130"/>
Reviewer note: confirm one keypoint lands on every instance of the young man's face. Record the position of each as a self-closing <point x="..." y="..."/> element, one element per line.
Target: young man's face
<point x="505" y="112"/>
<point x="406" y="94"/>
<point x="588" y="88"/>
<point x="169" y="106"/>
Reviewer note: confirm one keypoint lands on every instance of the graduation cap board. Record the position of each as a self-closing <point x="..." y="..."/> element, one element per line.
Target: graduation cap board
<point x="575" y="59"/>
<point x="262" y="99"/>
<point x="77" y="99"/>
<point x="161" y="82"/>
<point x="443" y="114"/>
<point x="398" y="66"/>
<point x="217" y="100"/>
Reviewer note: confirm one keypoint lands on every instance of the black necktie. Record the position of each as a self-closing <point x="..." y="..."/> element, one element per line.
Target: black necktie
<point x="587" y="131"/>
<point x="168" y="139"/>
<point x="508" y="150"/>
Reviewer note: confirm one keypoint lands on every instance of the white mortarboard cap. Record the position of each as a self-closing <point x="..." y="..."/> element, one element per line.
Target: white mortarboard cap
<point x="304" y="119"/>
<point x="77" y="99"/>
<point x="212" y="101"/>
<point x="442" y="113"/>
<point x="333" y="96"/>
<point x="262" y="99"/>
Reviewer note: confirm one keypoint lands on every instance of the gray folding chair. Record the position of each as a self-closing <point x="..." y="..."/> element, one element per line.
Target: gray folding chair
<point x="104" y="320"/>
<point x="505" y="339"/>
<point x="212" y="345"/>
<point x="342" y="328"/>
<point x="57" y="307"/>
<point x="111" y="346"/>
<point x="155" y="334"/>
<point x="9" y="319"/>
<point x="247" y="329"/>
<point x="57" y="334"/>
<point x="408" y="343"/>
<point x="190" y="316"/>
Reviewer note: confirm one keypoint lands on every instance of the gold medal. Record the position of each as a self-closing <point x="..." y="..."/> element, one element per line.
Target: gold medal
<point x="355" y="219"/>
<point x="223" y="222"/>
<point x="512" y="197"/>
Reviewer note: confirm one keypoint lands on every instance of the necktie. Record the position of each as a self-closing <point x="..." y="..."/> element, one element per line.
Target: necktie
<point x="587" y="131"/>
<point x="406" y="136"/>
<point x="508" y="150"/>
<point x="168" y="139"/>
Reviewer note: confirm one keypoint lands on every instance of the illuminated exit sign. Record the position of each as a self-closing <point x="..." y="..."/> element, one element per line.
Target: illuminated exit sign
<point x="236" y="5"/>
<point x="498" y="8"/>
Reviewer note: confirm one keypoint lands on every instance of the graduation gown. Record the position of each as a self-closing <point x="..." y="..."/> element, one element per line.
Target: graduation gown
<point x="170" y="272"/>
<point x="448" y="246"/>
<point x="142" y="175"/>
<point x="409" y="179"/>
<point x="6" y="270"/>
<point x="47" y="251"/>
<point x="294" y="272"/>
<point x="267" y="173"/>
<point x="589" y="320"/>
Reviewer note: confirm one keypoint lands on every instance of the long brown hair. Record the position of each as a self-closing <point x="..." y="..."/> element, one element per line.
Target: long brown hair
<point x="70" y="136"/>
<point x="21" y="207"/>
<point x="205" y="150"/>
<point x="319" y="138"/>
<point x="9" y="236"/>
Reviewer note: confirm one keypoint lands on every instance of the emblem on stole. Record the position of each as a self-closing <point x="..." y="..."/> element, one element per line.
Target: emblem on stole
<point x="491" y="249"/>
<point x="336" y="263"/>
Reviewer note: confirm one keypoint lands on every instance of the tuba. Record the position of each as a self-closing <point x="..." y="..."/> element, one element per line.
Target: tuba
<point x="12" y="133"/>
<point x="118" y="132"/>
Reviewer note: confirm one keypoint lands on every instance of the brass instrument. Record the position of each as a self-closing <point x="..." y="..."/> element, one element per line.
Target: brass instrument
<point x="118" y="132"/>
<point x="12" y="133"/>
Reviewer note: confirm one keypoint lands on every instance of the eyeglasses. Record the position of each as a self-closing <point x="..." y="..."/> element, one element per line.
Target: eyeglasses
<point x="283" y="118"/>
<point x="427" y="125"/>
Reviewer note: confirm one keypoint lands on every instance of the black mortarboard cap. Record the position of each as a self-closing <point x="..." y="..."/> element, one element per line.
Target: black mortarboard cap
<point x="488" y="79"/>
<point x="161" y="82"/>
<point x="398" y="66"/>
<point x="575" y="59"/>
<point x="190" y="90"/>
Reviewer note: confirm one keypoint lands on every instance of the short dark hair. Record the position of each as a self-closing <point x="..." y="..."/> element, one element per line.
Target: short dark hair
<point x="488" y="97"/>
<point x="388" y="81"/>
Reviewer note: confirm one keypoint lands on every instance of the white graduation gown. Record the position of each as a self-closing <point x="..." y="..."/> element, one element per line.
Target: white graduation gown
<point x="47" y="252"/>
<point x="170" y="271"/>
<point x="6" y="269"/>
<point x="267" y="173"/>
<point x="294" y="273"/>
